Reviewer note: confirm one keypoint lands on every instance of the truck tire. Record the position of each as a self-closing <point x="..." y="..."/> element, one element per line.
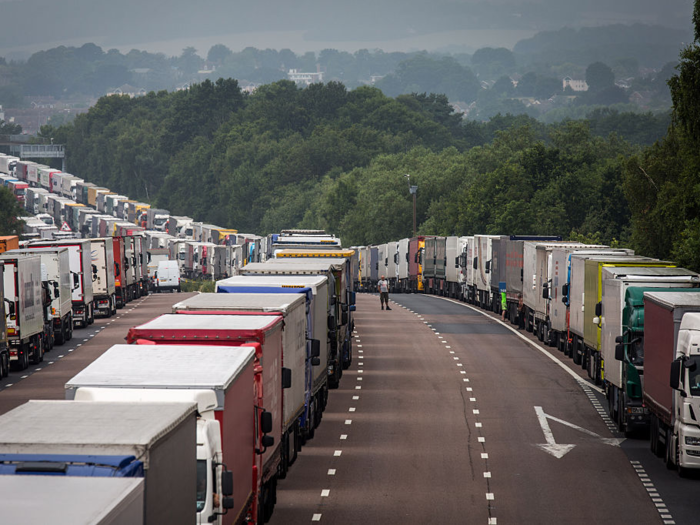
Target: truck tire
<point x="23" y="359"/>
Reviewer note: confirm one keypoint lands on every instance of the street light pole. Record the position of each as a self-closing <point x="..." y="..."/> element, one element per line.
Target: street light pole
<point x="413" y="190"/>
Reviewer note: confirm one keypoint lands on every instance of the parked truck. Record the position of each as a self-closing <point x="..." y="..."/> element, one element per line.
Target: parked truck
<point x="300" y="352"/>
<point x="264" y="333"/>
<point x="103" y="287"/>
<point x="81" y="271"/>
<point x="67" y="499"/>
<point x="336" y="266"/>
<point x="319" y="310"/>
<point x="155" y="441"/>
<point x="219" y="383"/>
<point x="671" y="388"/>
<point x="55" y="262"/>
<point x="8" y="242"/>
<point x="622" y="321"/>
<point x="24" y="315"/>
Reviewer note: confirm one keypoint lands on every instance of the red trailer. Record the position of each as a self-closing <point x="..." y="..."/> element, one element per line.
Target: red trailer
<point x="237" y="329"/>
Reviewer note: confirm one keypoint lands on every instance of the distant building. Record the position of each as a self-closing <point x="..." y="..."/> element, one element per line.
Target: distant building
<point x="128" y="90"/>
<point x="575" y="85"/>
<point x="305" y="79"/>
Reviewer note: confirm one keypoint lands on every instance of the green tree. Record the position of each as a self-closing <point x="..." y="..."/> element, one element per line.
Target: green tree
<point x="218" y="54"/>
<point x="599" y="76"/>
<point x="10" y="128"/>
<point x="10" y="211"/>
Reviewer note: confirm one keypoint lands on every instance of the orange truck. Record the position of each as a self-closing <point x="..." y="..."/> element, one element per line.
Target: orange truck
<point x="9" y="242"/>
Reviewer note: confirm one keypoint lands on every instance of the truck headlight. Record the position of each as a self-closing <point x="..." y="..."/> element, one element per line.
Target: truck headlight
<point x="694" y="441"/>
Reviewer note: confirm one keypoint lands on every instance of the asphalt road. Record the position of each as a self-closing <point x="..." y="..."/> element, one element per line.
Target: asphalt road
<point x="449" y="416"/>
<point x="46" y="379"/>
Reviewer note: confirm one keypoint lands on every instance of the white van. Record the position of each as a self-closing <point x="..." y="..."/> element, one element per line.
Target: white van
<point x="167" y="276"/>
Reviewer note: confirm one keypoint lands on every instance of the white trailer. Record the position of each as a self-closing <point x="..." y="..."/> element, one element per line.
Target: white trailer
<point x="24" y="314"/>
<point x="103" y="289"/>
<point x="160" y="435"/>
<point x="56" y="263"/>
<point x="81" y="272"/>
<point x="72" y="500"/>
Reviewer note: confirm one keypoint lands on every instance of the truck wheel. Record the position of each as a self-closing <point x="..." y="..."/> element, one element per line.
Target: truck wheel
<point x="24" y="359"/>
<point x="669" y="451"/>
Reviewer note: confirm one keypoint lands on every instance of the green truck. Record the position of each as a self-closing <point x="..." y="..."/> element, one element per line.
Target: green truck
<point x="621" y="321"/>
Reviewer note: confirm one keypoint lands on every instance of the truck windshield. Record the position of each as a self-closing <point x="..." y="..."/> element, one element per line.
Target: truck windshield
<point x="159" y="221"/>
<point x="694" y="375"/>
<point x="201" y="484"/>
<point x="636" y="351"/>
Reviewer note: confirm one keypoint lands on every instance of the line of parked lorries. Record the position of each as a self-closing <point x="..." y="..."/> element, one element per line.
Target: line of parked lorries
<point x="632" y="322"/>
<point x="190" y="434"/>
<point x="66" y="206"/>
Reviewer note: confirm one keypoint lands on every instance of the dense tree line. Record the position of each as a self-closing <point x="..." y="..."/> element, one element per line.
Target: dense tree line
<point x="333" y="158"/>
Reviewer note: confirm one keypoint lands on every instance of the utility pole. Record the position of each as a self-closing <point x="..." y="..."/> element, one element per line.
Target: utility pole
<point x="413" y="191"/>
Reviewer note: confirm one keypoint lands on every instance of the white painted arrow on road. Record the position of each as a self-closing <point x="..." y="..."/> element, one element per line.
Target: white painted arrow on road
<point x="560" y="450"/>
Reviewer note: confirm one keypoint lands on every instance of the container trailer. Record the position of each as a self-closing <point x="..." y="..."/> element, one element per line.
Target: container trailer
<point x="155" y="441"/>
<point x="671" y="388"/>
<point x="219" y="383"/>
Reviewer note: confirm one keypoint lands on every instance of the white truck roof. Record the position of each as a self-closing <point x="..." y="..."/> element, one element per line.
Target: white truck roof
<point x="68" y="500"/>
<point x="649" y="271"/>
<point x="267" y="302"/>
<point x="208" y="322"/>
<point x="166" y="366"/>
<point x="66" y="427"/>
<point x="276" y="280"/>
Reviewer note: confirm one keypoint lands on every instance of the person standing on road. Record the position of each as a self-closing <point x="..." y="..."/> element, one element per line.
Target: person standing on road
<point x="383" y="286"/>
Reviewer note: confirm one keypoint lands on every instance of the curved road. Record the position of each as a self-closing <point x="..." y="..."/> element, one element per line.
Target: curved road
<point x="450" y="416"/>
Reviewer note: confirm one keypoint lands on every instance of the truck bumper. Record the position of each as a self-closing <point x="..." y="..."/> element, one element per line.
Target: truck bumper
<point x="689" y="445"/>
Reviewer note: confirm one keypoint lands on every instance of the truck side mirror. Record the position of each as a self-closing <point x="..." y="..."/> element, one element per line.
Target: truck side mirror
<point x="598" y="309"/>
<point x="456" y="262"/>
<point x="227" y="502"/>
<point x="487" y="267"/>
<point x="476" y="263"/>
<point x="331" y="323"/>
<point x="315" y="361"/>
<point x="315" y="348"/>
<point x="267" y="441"/>
<point x="56" y="290"/>
<point x="545" y="291"/>
<point x="227" y="482"/>
<point x="286" y="378"/>
<point x="344" y="317"/>
<point x="344" y="307"/>
<point x="351" y="298"/>
<point x="676" y="368"/>
<point x="564" y="292"/>
<point x="94" y="273"/>
<point x="619" y="352"/>
<point x="117" y="271"/>
<point x="76" y="281"/>
<point x="266" y="421"/>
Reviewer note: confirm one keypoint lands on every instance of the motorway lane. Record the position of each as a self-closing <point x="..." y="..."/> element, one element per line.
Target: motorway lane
<point x="445" y="430"/>
<point x="46" y="380"/>
<point x="396" y="444"/>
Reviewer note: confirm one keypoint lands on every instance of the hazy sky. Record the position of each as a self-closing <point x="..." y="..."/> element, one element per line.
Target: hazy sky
<point x="303" y="25"/>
